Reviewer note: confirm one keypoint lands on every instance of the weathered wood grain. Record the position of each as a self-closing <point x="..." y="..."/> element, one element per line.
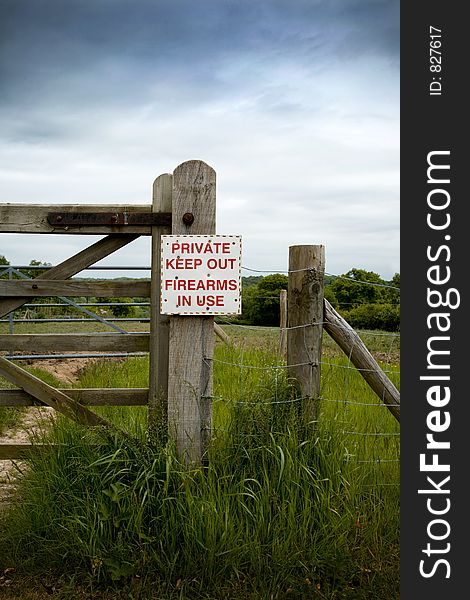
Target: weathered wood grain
<point x="48" y="287"/>
<point x="191" y="337"/>
<point x="32" y="218"/>
<point x="220" y="333"/>
<point x="49" y="395"/>
<point x="283" y="324"/>
<point x="305" y="322"/>
<point x="159" y="324"/>
<point x="63" y="342"/>
<point x="86" y="396"/>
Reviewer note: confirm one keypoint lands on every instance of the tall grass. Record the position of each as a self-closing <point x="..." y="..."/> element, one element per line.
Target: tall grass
<point x="283" y="509"/>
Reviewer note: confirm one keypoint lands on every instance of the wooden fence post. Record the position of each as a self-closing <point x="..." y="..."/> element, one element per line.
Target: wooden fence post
<point x="305" y="323"/>
<point x="283" y="324"/>
<point x="191" y="337"/>
<point x="159" y="324"/>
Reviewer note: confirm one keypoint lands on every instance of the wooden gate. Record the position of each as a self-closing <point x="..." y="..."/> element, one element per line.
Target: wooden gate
<point x="180" y="379"/>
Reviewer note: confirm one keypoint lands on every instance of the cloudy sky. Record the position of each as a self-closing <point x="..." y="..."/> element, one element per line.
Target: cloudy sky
<point x="295" y="103"/>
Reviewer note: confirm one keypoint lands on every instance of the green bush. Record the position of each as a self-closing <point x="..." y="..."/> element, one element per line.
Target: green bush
<point x="358" y="286"/>
<point x="374" y="316"/>
<point x="261" y="301"/>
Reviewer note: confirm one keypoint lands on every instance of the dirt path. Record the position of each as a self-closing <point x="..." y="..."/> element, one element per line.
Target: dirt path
<point x="66" y="370"/>
<point x="32" y="423"/>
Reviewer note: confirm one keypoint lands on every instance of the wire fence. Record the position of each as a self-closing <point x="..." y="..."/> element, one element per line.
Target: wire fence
<point x="68" y="309"/>
<point x="255" y="378"/>
<point x="350" y="413"/>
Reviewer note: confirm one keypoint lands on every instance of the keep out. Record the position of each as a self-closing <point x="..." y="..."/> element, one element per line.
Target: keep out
<point x="221" y="263"/>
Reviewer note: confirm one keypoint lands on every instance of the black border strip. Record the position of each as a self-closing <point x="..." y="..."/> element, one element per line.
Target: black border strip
<point x="433" y="122"/>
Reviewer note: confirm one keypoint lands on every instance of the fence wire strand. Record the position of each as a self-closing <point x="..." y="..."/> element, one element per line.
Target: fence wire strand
<point x="377" y="447"/>
<point x="370" y="445"/>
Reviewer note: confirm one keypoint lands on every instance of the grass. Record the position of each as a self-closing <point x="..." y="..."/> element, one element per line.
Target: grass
<point x="283" y="509"/>
<point x="261" y="337"/>
<point x="8" y="416"/>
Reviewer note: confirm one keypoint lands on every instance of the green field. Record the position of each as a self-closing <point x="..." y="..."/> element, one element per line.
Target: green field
<point x="283" y="509"/>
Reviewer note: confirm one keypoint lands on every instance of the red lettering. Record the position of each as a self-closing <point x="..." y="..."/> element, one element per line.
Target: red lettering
<point x="214" y="301"/>
<point x="184" y="301"/>
<point x="221" y="263"/>
<point x="183" y="263"/>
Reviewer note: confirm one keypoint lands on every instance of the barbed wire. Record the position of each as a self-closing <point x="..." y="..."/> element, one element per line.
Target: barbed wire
<point x="273" y="400"/>
<point x="371" y="434"/>
<point x="209" y="359"/>
<point x="375" y="447"/>
<point x="256" y="367"/>
<point x="270" y="271"/>
<point x="365" y="447"/>
<point x="357" y="303"/>
<point x="360" y="369"/>
<point x="373" y="283"/>
<point x="283" y="271"/>
<point x="355" y="403"/>
<point x="373" y="451"/>
<point x="316" y="324"/>
<point x="265" y="402"/>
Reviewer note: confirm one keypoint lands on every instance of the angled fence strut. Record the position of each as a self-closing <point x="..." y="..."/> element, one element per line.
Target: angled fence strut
<point x="74" y="265"/>
<point x="350" y="342"/>
<point x="220" y="333"/>
<point x="49" y="395"/>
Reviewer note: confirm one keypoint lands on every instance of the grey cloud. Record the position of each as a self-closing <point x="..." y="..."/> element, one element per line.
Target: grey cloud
<point x="295" y="104"/>
<point x="112" y="45"/>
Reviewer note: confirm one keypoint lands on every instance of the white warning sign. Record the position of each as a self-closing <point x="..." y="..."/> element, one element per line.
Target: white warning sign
<point x="201" y="274"/>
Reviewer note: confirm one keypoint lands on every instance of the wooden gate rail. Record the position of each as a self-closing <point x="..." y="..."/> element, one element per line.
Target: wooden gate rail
<point x="86" y="396"/>
<point x="180" y="382"/>
<point x="33" y="218"/>
<point x="45" y="287"/>
<point x="63" y="342"/>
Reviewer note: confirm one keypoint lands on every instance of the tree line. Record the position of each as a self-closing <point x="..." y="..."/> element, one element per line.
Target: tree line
<point x="362" y="297"/>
